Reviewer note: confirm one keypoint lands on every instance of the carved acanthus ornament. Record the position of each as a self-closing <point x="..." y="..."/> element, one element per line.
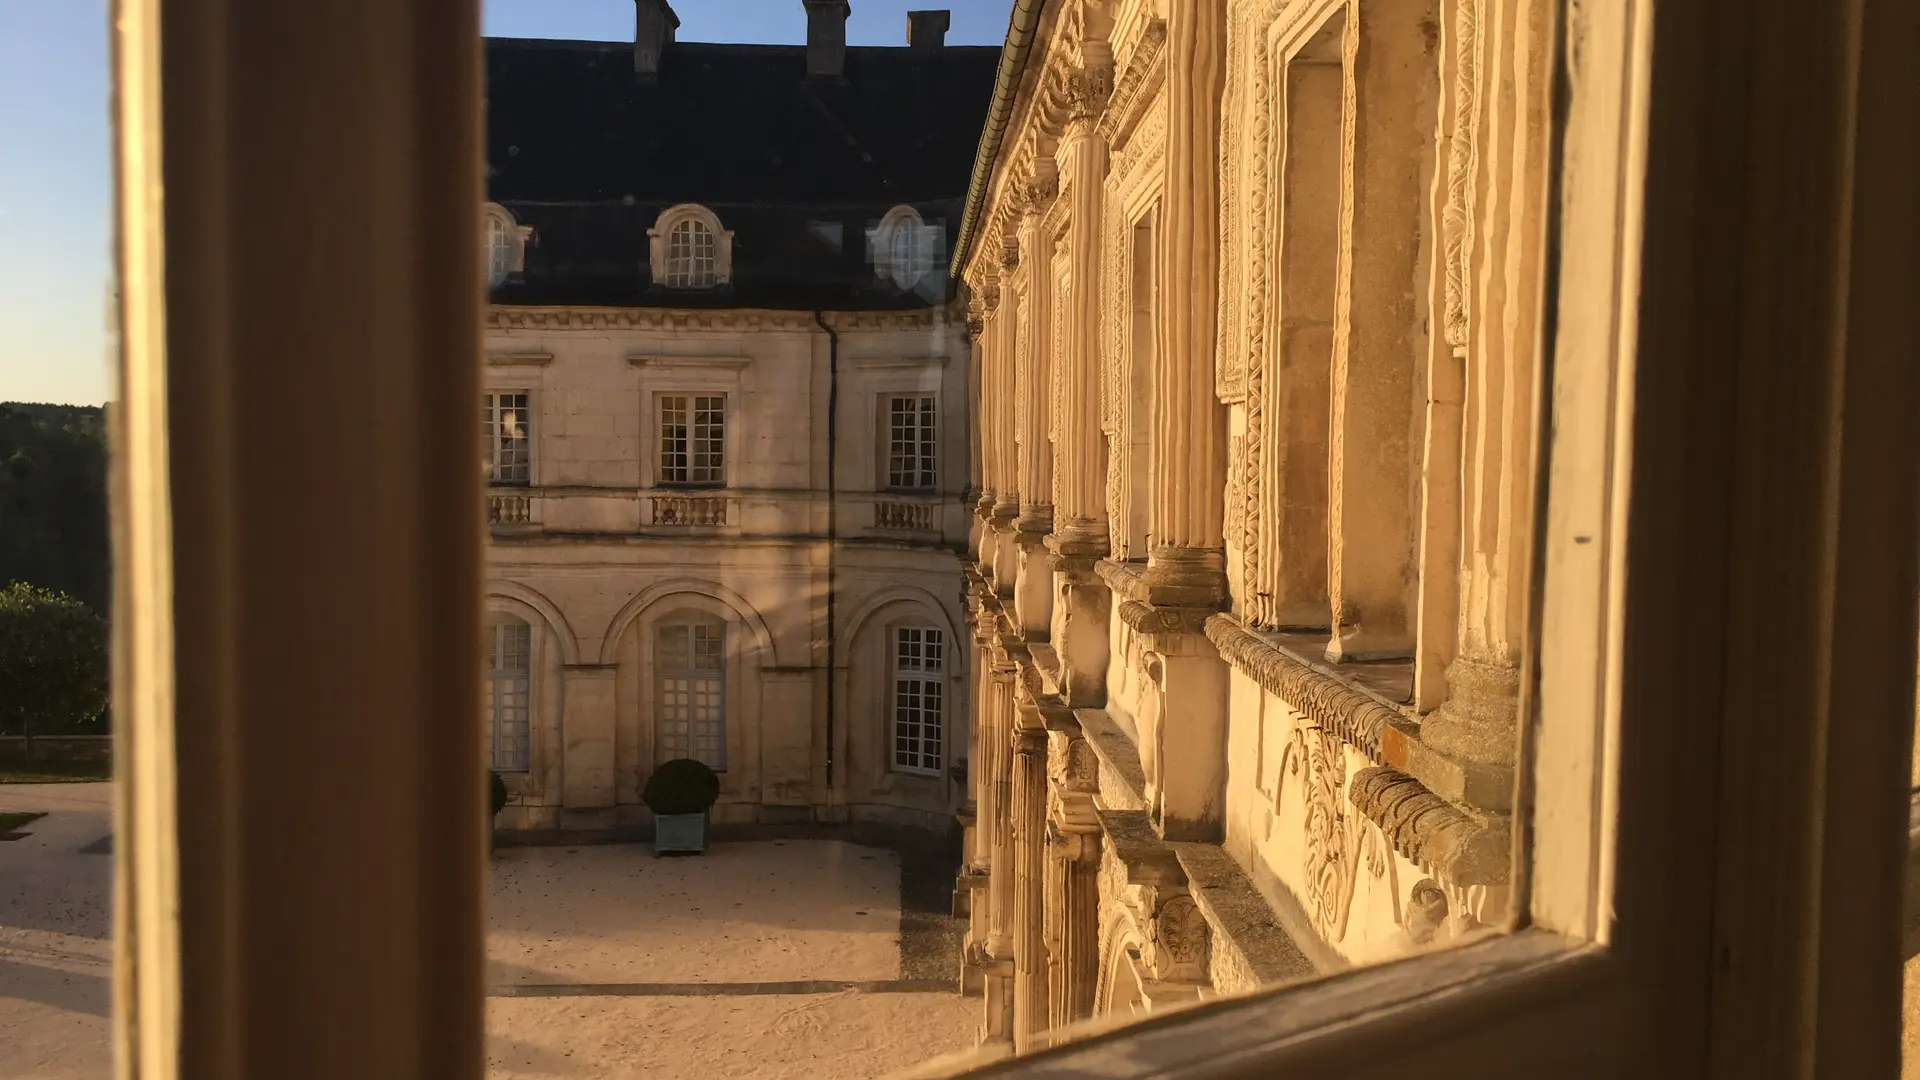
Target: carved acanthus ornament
<point x="1357" y="718"/>
<point x="1456" y="219"/>
<point x="1086" y="91"/>
<point x="1177" y="941"/>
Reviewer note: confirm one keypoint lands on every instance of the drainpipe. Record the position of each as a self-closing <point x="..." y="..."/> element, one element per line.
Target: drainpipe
<point x="833" y="516"/>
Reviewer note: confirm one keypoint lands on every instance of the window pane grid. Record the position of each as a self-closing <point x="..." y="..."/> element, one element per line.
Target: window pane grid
<point x="918" y="699"/>
<point x="693" y="440"/>
<point x="690" y="663"/>
<point x="509" y="697"/>
<point x="507" y="431"/>
<point x="910" y="443"/>
<point x="691" y="262"/>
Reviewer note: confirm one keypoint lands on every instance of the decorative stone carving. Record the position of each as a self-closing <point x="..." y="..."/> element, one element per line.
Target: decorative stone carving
<point x="1327" y="702"/>
<point x="1457" y="218"/>
<point x="1426" y="912"/>
<point x="1142" y="71"/>
<point x="1431" y="832"/>
<point x="1087" y="91"/>
<point x="1329" y="867"/>
<point x="1177" y="942"/>
<point x="1148" y="618"/>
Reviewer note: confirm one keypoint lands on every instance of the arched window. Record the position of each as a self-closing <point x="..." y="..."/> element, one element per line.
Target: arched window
<point x="690" y="677"/>
<point x="919" y="699"/>
<point x="903" y="248"/>
<point x="509" y="694"/>
<point x="506" y="245"/>
<point x="689" y="249"/>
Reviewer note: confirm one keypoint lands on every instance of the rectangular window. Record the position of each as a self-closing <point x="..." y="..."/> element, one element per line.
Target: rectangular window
<point x="919" y="698"/>
<point x="690" y="668"/>
<point x="693" y="440"/>
<point x="910" y="443"/>
<point x="506" y="437"/>
<point x="509" y="700"/>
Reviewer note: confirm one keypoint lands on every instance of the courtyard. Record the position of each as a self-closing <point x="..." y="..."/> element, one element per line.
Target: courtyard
<point x="768" y="958"/>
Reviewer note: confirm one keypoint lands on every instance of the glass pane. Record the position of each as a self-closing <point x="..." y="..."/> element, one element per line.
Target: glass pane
<point x="711" y="447"/>
<point x="59" y="395"/>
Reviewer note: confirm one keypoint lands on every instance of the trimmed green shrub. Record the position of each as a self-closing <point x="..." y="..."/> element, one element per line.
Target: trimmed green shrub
<point x="681" y="786"/>
<point x="53" y="664"/>
<point x="499" y="794"/>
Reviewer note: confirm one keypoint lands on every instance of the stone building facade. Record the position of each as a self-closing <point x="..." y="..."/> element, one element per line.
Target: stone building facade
<point x="1257" y="293"/>
<point x="725" y="422"/>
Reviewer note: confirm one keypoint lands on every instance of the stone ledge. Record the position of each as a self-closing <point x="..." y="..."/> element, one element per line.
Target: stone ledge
<point x="1259" y="950"/>
<point x="1119" y="758"/>
<point x="1433" y="833"/>
<point x="1353" y="713"/>
<point x="1481" y="784"/>
<point x="1149" y="860"/>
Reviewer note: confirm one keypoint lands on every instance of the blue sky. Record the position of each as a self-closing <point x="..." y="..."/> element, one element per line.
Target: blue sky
<point x="56" y="179"/>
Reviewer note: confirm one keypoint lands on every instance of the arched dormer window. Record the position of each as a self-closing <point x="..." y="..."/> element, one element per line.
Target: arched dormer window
<point x="904" y="248"/>
<point x="506" y="244"/>
<point x="688" y="249"/>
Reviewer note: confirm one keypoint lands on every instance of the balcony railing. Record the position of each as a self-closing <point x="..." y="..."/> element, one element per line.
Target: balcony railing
<point x="509" y="509"/>
<point x="690" y="510"/>
<point x="902" y="516"/>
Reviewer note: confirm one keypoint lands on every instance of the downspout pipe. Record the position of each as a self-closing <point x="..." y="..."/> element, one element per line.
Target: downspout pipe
<point x="1022" y="27"/>
<point x="833" y="518"/>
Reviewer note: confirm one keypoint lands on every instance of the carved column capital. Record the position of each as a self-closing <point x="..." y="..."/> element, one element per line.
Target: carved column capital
<point x="1086" y="91"/>
<point x="1010" y="246"/>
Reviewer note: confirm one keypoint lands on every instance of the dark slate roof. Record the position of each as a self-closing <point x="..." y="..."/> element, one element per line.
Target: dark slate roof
<point x="588" y="154"/>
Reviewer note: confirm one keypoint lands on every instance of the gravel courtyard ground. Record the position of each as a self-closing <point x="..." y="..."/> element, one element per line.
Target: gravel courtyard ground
<point x="764" y="959"/>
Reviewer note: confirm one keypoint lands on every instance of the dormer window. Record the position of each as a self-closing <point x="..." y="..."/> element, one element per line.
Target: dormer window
<point x="689" y="249"/>
<point x="903" y="248"/>
<point x="506" y="242"/>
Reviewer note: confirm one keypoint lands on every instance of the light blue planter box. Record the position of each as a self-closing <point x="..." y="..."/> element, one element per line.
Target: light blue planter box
<point x="679" y="832"/>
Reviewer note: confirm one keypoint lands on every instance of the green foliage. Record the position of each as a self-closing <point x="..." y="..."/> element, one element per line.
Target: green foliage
<point x="53" y="500"/>
<point x="499" y="795"/>
<point x="681" y="786"/>
<point x="53" y="664"/>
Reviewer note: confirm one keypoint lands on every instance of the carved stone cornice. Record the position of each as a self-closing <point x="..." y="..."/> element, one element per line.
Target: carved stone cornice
<point x="502" y="317"/>
<point x="1139" y="75"/>
<point x="1352" y="714"/>
<point x="1431" y="832"/>
<point x="1147" y="618"/>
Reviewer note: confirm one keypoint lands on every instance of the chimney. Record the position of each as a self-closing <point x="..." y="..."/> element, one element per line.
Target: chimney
<point x="653" y="26"/>
<point x="928" y="29"/>
<point x="827" y="38"/>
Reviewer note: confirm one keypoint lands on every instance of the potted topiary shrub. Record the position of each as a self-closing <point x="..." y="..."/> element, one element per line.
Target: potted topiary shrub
<point x="498" y="797"/>
<point x="680" y="792"/>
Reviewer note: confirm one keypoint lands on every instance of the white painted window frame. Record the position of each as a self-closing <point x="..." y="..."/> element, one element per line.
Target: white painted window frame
<point x="504" y="244"/>
<point x="904" y="223"/>
<point x="691" y="622"/>
<point x="660" y="247"/>
<point x="925" y="676"/>
<point x="521" y="678"/>
<point x="1720" y="775"/>
<point x="925" y="461"/>
<point x="492" y="406"/>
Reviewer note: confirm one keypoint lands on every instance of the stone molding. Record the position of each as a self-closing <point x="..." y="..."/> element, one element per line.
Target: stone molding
<point x="1148" y="618"/>
<point x="1431" y="832"/>
<point x="1357" y="717"/>
<point x="1133" y="87"/>
<point x="608" y="318"/>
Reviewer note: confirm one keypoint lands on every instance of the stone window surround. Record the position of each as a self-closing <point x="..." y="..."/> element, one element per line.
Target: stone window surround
<point x="880" y="240"/>
<point x="658" y="239"/>
<point x="517" y="237"/>
<point x="894" y="376"/>
<point x="689" y="375"/>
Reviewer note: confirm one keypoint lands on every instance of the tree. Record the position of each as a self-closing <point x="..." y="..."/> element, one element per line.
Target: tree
<point x="53" y="500"/>
<point x="53" y="662"/>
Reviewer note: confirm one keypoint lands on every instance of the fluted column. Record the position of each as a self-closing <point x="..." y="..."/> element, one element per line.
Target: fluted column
<point x="1073" y="906"/>
<point x="1080" y="521"/>
<point x="1006" y="332"/>
<point x="997" y="794"/>
<point x="1036" y="354"/>
<point x="1029" y="856"/>
<point x="980" y="312"/>
<point x="1187" y="519"/>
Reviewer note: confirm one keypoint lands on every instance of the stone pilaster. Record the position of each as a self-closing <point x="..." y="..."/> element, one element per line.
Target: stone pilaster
<point x="1073" y="877"/>
<point x="985" y="333"/>
<point x="1034" y="375"/>
<point x="1188" y="508"/>
<point x="1006" y="342"/>
<point x="996" y="954"/>
<point x="1029" y="797"/>
<point x="1080" y="519"/>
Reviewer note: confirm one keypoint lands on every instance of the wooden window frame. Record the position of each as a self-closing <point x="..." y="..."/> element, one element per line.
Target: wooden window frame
<point x="492" y="399"/>
<point x="692" y="622"/>
<point x="925" y="463"/>
<point x="1719" y="747"/>
<point x="935" y="676"/>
